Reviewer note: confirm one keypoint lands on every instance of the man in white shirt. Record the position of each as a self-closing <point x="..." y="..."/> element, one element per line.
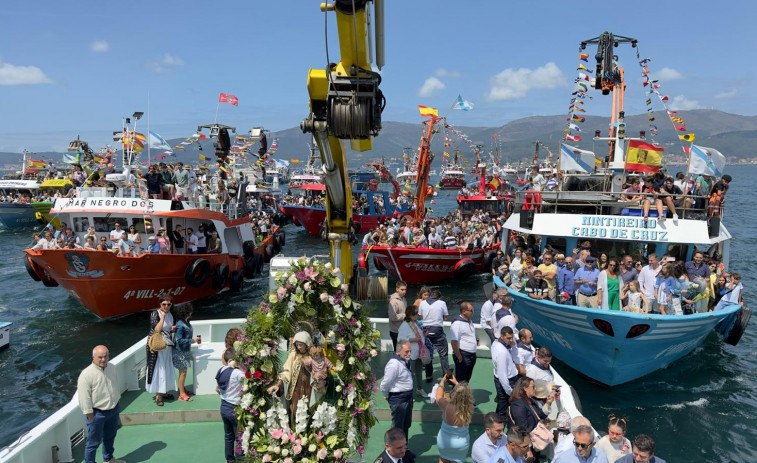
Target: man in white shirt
<point x="504" y="315"/>
<point x="99" y="393"/>
<point x="116" y="235"/>
<point x="492" y="438"/>
<point x="487" y="314"/>
<point x="191" y="241"/>
<point x="433" y="311"/>
<point x="539" y="366"/>
<point x="505" y="372"/>
<point x="516" y="449"/>
<point x="525" y="349"/>
<point x="647" y="278"/>
<point x="434" y="239"/>
<point x="397" y="387"/>
<point x="464" y="342"/>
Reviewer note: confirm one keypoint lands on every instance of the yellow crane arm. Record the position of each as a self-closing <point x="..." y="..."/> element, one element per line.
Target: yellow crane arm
<point x="345" y="104"/>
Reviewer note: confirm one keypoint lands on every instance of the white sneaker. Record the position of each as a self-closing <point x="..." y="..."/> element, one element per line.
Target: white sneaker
<point x="421" y="393"/>
<point x="675" y="216"/>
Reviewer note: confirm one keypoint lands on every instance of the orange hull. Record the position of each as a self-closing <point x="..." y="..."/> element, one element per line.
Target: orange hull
<point x="110" y="286"/>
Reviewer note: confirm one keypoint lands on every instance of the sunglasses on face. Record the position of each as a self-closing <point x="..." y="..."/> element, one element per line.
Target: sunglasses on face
<point x="582" y="446"/>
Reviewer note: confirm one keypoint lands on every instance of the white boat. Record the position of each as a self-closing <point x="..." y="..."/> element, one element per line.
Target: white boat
<point x="5" y="335"/>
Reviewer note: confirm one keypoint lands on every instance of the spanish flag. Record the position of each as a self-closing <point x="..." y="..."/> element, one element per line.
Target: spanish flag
<point x="687" y="137"/>
<point x="294" y="161"/>
<point x="643" y="157"/>
<point x="426" y="111"/>
<point x="36" y="164"/>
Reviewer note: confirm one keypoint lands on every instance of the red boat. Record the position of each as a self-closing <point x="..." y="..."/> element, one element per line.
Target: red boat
<point x="426" y="265"/>
<point x="493" y="197"/>
<point x="453" y="178"/>
<point x="376" y="209"/>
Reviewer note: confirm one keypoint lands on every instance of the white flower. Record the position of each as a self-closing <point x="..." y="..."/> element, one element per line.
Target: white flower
<point x="246" y="439"/>
<point x="345" y="288"/>
<point x="261" y="402"/>
<point x="307" y="287"/>
<point x="352" y="435"/>
<point x="312" y="448"/>
<point x="357" y="331"/>
<point x="262" y="416"/>
<point x="246" y="387"/>
<point x="246" y="401"/>
<point x="292" y="280"/>
<point x="338" y="388"/>
<point x="284" y="452"/>
<point x="351" y="360"/>
<point x="374" y="353"/>
<point x="351" y="397"/>
<point x="324" y="418"/>
<point x="263" y="352"/>
<point x="301" y="416"/>
<point x="359" y="324"/>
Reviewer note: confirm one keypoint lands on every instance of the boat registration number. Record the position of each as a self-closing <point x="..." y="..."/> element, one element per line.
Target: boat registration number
<point x="153" y="293"/>
<point x="419" y="267"/>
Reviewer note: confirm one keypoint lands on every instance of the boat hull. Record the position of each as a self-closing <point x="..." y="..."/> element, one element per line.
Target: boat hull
<point x="614" y="347"/>
<point x="454" y="183"/>
<point x="425" y="265"/>
<point x="18" y="215"/>
<point x="110" y="286"/>
<point x="312" y="218"/>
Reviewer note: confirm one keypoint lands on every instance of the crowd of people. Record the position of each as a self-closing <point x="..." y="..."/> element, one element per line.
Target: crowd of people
<point x="448" y="232"/>
<point x="594" y="279"/>
<point x="523" y="385"/>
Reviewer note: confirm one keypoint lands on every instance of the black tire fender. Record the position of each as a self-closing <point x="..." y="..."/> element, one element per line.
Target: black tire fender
<point x="739" y="326"/>
<point x="34" y="271"/>
<point x="236" y="281"/>
<point x="257" y="263"/>
<point x="220" y="276"/>
<point x="248" y="249"/>
<point x="48" y="280"/>
<point x="197" y="272"/>
<point x="464" y="268"/>
<point x="249" y="268"/>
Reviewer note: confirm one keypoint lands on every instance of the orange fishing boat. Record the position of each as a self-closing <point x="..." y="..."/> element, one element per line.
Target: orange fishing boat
<point x="131" y="277"/>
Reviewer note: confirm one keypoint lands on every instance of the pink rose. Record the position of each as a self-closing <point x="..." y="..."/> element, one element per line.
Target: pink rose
<point x="284" y="438"/>
<point x="306" y="286"/>
<point x="288" y="460"/>
<point x="281" y="292"/>
<point x="338" y="453"/>
<point x="345" y="288"/>
<point x="266" y="458"/>
<point x="322" y="453"/>
<point x="324" y="297"/>
<point x="277" y="433"/>
<point x="297" y="449"/>
<point x="293" y="436"/>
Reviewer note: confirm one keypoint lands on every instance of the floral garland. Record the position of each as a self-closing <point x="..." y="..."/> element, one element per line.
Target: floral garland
<point x="336" y="427"/>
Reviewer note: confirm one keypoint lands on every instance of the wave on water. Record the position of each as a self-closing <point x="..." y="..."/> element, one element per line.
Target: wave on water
<point x="694" y="403"/>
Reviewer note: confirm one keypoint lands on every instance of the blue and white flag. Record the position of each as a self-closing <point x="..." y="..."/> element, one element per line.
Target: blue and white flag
<point x="71" y="158"/>
<point x="706" y="161"/>
<point x="157" y="142"/>
<point x="465" y="105"/>
<point x="572" y="158"/>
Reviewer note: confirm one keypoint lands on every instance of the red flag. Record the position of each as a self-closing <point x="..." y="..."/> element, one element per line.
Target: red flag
<point x="573" y="137"/>
<point x="681" y="128"/>
<point x="227" y="98"/>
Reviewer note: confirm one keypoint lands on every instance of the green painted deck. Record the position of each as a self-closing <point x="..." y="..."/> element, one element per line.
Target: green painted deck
<point x="193" y="431"/>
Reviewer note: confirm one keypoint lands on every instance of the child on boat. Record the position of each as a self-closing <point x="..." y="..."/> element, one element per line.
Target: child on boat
<point x="636" y="301"/>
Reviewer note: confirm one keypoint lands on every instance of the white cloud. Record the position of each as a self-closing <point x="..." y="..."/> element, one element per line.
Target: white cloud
<point x="729" y="94"/>
<point x="22" y="75"/>
<point x="666" y="74"/>
<point x="99" y="46"/>
<point x="441" y="73"/>
<point x="431" y="86"/>
<point x="165" y="64"/>
<point x="681" y="103"/>
<point x="512" y="84"/>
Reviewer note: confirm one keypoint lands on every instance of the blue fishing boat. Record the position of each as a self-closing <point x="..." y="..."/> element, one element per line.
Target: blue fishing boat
<point x="19" y="213"/>
<point x="591" y="208"/>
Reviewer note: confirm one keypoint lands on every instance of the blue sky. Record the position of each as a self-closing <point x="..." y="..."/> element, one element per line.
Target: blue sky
<point x="77" y="68"/>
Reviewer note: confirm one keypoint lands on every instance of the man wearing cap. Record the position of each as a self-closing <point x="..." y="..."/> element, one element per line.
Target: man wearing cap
<point x="152" y="245"/>
<point x="490" y="440"/>
<point x="586" y="278"/>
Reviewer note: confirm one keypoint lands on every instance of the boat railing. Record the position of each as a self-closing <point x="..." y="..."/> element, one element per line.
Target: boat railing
<point x="607" y="203"/>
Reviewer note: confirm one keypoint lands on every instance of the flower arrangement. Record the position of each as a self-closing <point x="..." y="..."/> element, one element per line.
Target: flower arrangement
<point x="336" y="426"/>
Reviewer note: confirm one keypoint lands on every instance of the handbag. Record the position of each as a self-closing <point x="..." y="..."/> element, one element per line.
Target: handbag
<point x="156" y="342"/>
<point x="541" y="436"/>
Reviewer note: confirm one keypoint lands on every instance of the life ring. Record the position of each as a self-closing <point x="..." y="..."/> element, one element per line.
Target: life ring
<point x="248" y="249"/>
<point x="48" y="280"/>
<point x="268" y="254"/>
<point x="220" y="276"/>
<point x="34" y="271"/>
<point x="739" y="326"/>
<point x="464" y="268"/>
<point x="197" y="272"/>
<point x="236" y="281"/>
<point x="532" y="200"/>
<point x="377" y="263"/>
<point x="489" y="258"/>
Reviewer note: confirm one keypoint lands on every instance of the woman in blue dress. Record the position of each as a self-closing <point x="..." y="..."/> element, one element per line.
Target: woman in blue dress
<point x="453" y="440"/>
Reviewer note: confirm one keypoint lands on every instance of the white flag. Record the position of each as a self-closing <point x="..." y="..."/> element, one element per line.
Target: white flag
<point x="465" y="105"/>
<point x="706" y="161"/>
<point x="157" y="142"/>
<point x="572" y="158"/>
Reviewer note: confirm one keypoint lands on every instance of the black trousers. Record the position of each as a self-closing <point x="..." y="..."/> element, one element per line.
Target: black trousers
<point x="464" y="369"/>
<point x="401" y="405"/>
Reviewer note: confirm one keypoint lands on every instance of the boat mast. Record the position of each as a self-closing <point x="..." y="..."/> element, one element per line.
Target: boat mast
<point x="425" y="157"/>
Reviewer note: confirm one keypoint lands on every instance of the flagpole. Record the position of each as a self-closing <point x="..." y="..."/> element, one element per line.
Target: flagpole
<point x="149" y="157"/>
<point x="218" y="105"/>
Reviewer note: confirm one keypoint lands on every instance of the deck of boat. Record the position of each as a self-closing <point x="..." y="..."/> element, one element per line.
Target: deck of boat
<point x="193" y="431"/>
